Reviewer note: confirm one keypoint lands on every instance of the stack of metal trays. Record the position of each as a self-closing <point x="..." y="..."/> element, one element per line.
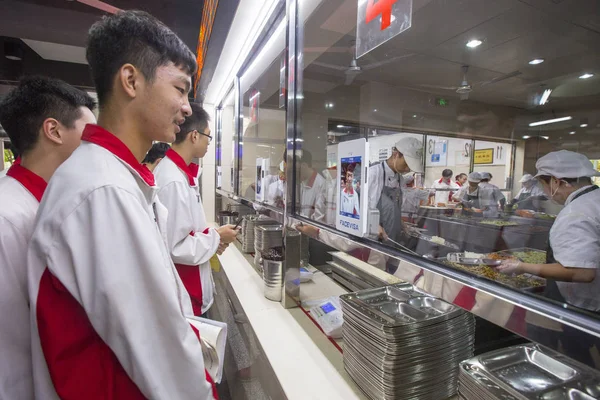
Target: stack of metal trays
<point x="402" y="344"/>
<point x="248" y="224"/>
<point x="267" y="237"/>
<point x="526" y="372"/>
<point x="347" y="278"/>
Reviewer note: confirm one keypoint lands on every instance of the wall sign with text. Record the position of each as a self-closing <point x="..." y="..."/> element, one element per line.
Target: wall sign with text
<point x="483" y="156"/>
<point x="379" y="21"/>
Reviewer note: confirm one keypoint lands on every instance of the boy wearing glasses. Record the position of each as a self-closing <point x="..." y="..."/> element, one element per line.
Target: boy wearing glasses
<point x="191" y="242"/>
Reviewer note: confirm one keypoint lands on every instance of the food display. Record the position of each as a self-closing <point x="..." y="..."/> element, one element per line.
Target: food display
<point x="526" y="255"/>
<point x="519" y="281"/>
<point x="498" y="222"/>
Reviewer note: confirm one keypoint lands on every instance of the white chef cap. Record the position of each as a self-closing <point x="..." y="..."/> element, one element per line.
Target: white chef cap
<point x="474" y="177"/>
<point x="565" y="164"/>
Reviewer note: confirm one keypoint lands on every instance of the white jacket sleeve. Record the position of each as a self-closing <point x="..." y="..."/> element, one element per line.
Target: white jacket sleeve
<point x="185" y="248"/>
<point x="320" y="204"/>
<point x="375" y="185"/>
<point x="109" y="256"/>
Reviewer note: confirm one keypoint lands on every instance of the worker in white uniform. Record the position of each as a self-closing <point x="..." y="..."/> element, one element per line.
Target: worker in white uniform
<point x="191" y="242"/>
<point x="312" y="190"/>
<point x="110" y="316"/>
<point x="44" y="119"/>
<point x="155" y="155"/>
<point x="529" y="193"/>
<point x="330" y="175"/>
<point x="447" y="186"/>
<point x="469" y="195"/>
<point x="573" y="254"/>
<point x="349" y="198"/>
<point x="412" y="197"/>
<point x="491" y="198"/>
<point x="385" y="185"/>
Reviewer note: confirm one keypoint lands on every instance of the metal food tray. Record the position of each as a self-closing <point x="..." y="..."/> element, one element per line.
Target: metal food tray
<point x="349" y="276"/>
<point x="511" y="252"/>
<point x="527" y="372"/>
<point x="399" y="305"/>
<point x="429" y="239"/>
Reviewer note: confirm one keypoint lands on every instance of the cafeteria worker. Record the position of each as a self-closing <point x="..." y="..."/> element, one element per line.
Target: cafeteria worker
<point x="573" y="256"/>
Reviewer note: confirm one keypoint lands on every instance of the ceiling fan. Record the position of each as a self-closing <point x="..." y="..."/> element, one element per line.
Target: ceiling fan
<point x="465" y="88"/>
<point x="100" y="5"/>
<point x="353" y="70"/>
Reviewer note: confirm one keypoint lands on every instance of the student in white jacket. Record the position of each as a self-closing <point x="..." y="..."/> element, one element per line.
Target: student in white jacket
<point x="108" y="310"/>
<point x="191" y="242"/>
<point x="44" y="119"/>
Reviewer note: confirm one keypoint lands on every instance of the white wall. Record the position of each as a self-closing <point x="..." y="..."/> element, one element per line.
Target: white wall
<point x="208" y="172"/>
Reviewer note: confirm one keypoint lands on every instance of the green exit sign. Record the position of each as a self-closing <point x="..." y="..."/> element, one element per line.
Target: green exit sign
<point x="442" y="102"/>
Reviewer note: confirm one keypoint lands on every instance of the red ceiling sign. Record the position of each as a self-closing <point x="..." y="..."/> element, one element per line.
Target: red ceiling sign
<point x="379" y="21"/>
<point x="383" y="8"/>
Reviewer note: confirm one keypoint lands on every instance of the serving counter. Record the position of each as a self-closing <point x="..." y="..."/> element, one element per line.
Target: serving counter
<point x="306" y="362"/>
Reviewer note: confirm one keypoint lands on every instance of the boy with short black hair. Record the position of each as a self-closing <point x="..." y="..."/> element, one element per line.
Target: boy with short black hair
<point x="44" y="119"/>
<point x="155" y="155"/>
<point x="191" y="242"/>
<point x="108" y="310"/>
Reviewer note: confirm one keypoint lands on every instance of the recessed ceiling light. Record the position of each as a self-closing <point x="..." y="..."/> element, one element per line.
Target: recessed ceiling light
<point x="341" y="126"/>
<point x="586" y="76"/>
<point x="572" y="133"/>
<point x="584" y="125"/>
<point x="414" y="115"/>
<point x="474" y="43"/>
<point x="536" y="61"/>
<point x="545" y="96"/>
<point x="550" y="121"/>
<point x="526" y="137"/>
<point x="546" y="137"/>
<point x="374" y="110"/>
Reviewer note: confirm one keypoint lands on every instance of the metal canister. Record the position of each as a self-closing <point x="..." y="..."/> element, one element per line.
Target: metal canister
<point x="273" y="279"/>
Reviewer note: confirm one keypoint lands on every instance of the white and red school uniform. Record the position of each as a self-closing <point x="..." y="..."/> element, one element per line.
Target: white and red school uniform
<point x="108" y="310"/>
<point x="191" y="243"/>
<point x="20" y="195"/>
<point x="350" y="203"/>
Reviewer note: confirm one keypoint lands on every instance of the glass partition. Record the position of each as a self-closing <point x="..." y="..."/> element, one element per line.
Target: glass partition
<point x="262" y="129"/>
<point x="225" y="150"/>
<point x="488" y="88"/>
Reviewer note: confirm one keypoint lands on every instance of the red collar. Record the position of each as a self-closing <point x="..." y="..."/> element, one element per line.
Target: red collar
<point x="103" y="138"/>
<point x="180" y="163"/>
<point x="441" y="180"/>
<point x="312" y="179"/>
<point x="459" y="184"/>
<point x="17" y="161"/>
<point x="32" y="182"/>
<point x="349" y="192"/>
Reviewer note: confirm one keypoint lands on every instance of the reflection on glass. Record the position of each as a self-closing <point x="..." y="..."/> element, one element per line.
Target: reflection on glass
<point x="480" y="121"/>
<point x="262" y="129"/>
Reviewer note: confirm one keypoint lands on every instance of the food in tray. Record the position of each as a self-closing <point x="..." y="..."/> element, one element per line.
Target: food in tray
<point x="531" y="257"/>
<point x="497" y="256"/>
<point x="498" y="222"/>
<point x="518" y="282"/>
<point x="438" y="240"/>
<point x="525" y="213"/>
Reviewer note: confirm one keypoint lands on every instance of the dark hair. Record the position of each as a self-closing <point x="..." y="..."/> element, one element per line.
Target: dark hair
<point x="158" y="150"/>
<point x="461" y="175"/>
<point x="37" y="98"/>
<point x="197" y="121"/>
<point x="584" y="179"/>
<point x="306" y="157"/>
<point x="447" y="173"/>
<point x="134" y="37"/>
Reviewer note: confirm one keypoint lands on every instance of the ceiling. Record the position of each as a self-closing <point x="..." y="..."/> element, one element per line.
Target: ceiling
<point x="430" y="55"/>
<point x="52" y="33"/>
